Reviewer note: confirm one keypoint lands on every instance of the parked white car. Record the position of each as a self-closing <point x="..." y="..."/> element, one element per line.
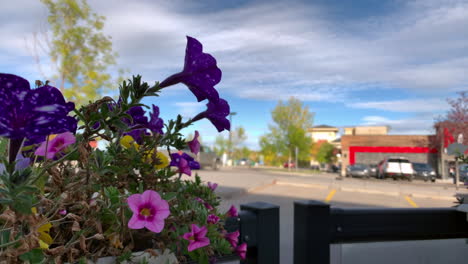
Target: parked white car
<point x="396" y="167"/>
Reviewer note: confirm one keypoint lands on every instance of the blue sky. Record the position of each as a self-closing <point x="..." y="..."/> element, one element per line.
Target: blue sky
<point x="363" y="62"/>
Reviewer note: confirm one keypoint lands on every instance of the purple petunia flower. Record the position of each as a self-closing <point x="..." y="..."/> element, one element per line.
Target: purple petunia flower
<point x="138" y="123"/>
<point x="149" y="211"/>
<point x="216" y="113"/>
<point x="184" y="162"/>
<point x="26" y="113"/>
<point x="194" y="144"/>
<point x="197" y="237"/>
<point x="156" y="123"/>
<point x="138" y="116"/>
<point x="200" y="72"/>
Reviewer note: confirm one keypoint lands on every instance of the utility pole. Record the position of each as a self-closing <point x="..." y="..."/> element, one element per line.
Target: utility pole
<point x="297" y="154"/>
<point x="230" y="136"/>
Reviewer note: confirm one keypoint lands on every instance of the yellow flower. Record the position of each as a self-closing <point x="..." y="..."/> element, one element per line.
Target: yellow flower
<point x="163" y="161"/>
<point x="44" y="238"/>
<point x="115" y="241"/>
<point x="128" y="142"/>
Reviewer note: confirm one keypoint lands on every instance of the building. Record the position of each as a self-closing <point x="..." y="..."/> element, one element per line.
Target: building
<point x="373" y="148"/>
<point x="366" y="130"/>
<point x="323" y="133"/>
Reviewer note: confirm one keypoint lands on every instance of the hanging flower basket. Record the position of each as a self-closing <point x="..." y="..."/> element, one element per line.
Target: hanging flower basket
<point x="63" y="199"/>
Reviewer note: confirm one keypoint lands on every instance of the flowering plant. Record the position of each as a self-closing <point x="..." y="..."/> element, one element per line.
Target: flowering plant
<point x="62" y="200"/>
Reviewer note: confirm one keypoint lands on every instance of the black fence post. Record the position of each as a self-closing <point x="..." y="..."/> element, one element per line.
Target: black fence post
<point x="260" y="230"/>
<point x="311" y="232"/>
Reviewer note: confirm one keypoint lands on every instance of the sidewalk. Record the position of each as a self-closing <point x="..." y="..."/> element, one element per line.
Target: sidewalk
<point x="393" y="188"/>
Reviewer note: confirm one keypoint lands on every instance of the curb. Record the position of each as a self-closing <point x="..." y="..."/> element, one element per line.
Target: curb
<point x="348" y="189"/>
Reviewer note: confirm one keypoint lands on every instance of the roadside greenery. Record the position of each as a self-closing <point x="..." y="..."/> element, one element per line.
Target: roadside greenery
<point x="82" y="54"/>
<point x="325" y="154"/>
<point x="291" y="119"/>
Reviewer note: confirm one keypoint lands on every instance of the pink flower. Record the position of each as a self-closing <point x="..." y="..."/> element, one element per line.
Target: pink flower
<point x="232" y="212"/>
<point x="212" y="219"/>
<point x="241" y="250"/>
<point x="194" y="145"/>
<point x="149" y="211"/>
<point x="232" y="238"/>
<point x="197" y="237"/>
<point x="62" y="212"/>
<point x="56" y="145"/>
<point x="212" y="186"/>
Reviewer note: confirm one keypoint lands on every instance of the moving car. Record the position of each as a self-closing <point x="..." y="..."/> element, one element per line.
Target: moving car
<point x="289" y="165"/>
<point x="358" y="170"/>
<point x="424" y="171"/>
<point x="396" y="167"/>
<point x="244" y="162"/>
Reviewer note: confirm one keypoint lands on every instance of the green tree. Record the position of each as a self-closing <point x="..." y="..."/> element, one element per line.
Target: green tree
<point x="80" y="50"/>
<point x="291" y="120"/>
<point x="325" y="153"/>
<point x="220" y="145"/>
<point x="238" y="137"/>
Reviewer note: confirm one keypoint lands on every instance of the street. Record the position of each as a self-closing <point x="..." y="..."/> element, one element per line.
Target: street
<point x="243" y="185"/>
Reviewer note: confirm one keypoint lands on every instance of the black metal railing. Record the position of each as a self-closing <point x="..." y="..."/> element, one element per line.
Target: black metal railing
<point x="317" y="226"/>
<point x="258" y="223"/>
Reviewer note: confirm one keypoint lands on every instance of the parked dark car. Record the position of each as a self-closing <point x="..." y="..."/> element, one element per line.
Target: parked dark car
<point x="463" y="168"/>
<point x="358" y="170"/>
<point x="335" y="169"/>
<point x="374" y="170"/>
<point x="424" y="171"/>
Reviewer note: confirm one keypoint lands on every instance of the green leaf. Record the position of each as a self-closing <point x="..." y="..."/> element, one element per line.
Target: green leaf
<point x="34" y="256"/>
<point x="203" y="259"/>
<point x="169" y="196"/>
<point x="5" y="236"/>
<point x="5" y="201"/>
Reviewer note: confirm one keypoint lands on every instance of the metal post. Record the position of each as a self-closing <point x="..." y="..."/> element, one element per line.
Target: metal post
<point x="311" y="232"/>
<point x="297" y="154"/>
<point x="260" y="230"/>
<point x="230" y="136"/>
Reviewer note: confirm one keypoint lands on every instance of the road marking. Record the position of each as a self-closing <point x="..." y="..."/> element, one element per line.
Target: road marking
<point x="303" y="185"/>
<point x="330" y="196"/>
<point x="262" y="187"/>
<point x="411" y="202"/>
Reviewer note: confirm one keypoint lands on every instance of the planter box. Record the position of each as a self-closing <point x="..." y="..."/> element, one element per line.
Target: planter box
<point x="138" y="257"/>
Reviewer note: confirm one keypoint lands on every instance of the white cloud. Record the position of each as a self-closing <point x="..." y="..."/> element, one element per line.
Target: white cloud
<point x="411" y="105"/>
<point x="416" y="125"/>
<point x="189" y="109"/>
<point x="267" y="50"/>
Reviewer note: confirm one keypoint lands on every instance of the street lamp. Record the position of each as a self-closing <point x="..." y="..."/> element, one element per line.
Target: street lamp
<point x="230" y="134"/>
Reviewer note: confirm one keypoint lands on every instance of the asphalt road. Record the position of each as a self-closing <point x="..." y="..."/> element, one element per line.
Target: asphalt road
<point x="242" y="185"/>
